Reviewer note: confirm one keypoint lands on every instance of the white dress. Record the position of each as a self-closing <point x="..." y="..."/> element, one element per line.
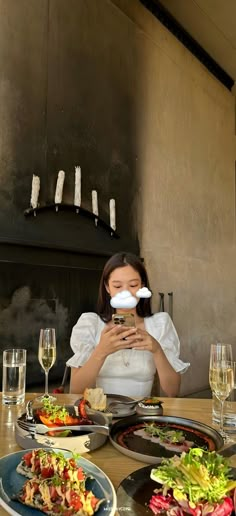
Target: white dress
<point x="128" y="372"/>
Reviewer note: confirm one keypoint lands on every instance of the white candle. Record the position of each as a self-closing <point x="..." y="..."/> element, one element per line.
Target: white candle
<point x="112" y="205"/>
<point x="35" y="191"/>
<point x="77" y="197"/>
<point x="95" y="202"/>
<point x="59" y="187"/>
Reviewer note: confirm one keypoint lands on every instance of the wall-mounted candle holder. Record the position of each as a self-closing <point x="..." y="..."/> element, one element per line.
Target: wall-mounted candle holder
<point x="75" y="209"/>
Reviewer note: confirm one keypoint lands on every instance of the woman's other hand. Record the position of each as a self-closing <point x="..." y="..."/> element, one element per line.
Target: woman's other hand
<point x="144" y="341"/>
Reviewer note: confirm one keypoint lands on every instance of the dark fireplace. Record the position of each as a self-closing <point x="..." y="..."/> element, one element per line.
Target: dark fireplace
<point x="45" y="288"/>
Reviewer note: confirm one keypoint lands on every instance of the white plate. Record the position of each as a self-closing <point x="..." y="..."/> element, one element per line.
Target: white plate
<point x="11" y="482"/>
<point x="81" y="443"/>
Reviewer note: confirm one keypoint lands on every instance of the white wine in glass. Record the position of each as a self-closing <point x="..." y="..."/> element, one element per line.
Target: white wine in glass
<point x="47" y="355"/>
<point x="221" y="376"/>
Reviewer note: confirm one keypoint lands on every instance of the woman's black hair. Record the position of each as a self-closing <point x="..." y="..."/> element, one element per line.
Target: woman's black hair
<point x="104" y="308"/>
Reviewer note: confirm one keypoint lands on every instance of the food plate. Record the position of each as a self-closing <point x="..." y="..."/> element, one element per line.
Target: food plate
<point x="78" y="441"/>
<point x="11" y="482"/>
<point x="135" y="491"/>
<point x="123" y="438"/>
<point x="120" y="410"/>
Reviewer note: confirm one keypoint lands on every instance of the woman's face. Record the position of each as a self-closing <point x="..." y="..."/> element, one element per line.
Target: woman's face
<point x="124" y="278"/>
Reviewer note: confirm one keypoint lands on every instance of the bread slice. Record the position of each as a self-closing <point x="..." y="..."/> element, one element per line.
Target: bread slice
<point x="96" y="398"/>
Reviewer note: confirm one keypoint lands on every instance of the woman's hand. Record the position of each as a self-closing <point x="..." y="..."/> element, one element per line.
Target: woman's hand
<point x="144" y="341"/>
<point x="114" y="338"/>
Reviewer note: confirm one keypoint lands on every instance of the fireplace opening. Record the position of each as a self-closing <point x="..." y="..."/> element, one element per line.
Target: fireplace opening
<point x="40" y="295"/>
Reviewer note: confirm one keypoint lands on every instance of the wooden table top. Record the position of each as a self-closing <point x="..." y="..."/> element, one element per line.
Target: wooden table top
<point x="116" y="465"/>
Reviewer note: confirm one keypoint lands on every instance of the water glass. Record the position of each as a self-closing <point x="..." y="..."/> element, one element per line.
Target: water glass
<point x="14" y="376"/>
<point x="229" y="410"/>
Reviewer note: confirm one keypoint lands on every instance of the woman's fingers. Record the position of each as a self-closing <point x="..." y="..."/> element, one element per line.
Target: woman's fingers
<point x="117" y="337"/>
<point x="118" y="329"/>
<point x="114" y="338"/>
<point x="139" y="334"/>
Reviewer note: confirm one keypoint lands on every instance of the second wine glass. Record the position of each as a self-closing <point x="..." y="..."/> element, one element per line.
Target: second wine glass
<point x="221" y="377"/>
<point x="47" y="355"/>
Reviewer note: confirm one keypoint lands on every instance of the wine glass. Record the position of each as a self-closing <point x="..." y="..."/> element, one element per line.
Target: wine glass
<point x="47" y="355"/>
<point x="221" y="377"/>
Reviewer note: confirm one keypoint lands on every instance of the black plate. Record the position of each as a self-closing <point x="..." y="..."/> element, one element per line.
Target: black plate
<point x="144" y="450"/>
<point x="135" y="492"/>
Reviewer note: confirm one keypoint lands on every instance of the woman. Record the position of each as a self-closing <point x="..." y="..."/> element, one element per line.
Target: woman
<point x="119" y="359"/>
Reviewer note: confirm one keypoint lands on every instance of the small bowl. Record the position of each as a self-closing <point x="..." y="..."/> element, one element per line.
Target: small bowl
<point x="150" y="406"/>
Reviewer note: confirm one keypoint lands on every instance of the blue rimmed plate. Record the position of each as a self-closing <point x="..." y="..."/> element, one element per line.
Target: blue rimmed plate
<point x="11" y="482"/>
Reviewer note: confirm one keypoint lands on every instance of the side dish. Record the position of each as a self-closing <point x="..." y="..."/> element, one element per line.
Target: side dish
<point x="198" y="483"/>
<point x="57" y="485"/>
<point x="96" y="398"/>
<point x="56" y="415"/>
<point x="170" y="439"/>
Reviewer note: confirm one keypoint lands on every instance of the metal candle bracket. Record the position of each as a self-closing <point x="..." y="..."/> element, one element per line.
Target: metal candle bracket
<point x="77" y="210"/>
<point x="162" y="303"/>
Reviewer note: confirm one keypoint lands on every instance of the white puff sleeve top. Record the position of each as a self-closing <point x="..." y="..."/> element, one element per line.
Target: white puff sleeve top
<point x="129" y="372"/>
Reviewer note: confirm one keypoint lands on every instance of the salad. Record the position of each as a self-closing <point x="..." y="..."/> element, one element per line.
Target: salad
<point x="198" y="482"/>
<point x="165" y="433"/>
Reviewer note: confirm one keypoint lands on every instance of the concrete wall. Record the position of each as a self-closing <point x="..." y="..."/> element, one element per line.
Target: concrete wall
<point x="103" y="84"/>
<point x="66" y="99"/>
<point x="186" y="199"/>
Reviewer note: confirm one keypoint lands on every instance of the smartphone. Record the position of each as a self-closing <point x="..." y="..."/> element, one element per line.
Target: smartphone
<point x="125" y="319"/>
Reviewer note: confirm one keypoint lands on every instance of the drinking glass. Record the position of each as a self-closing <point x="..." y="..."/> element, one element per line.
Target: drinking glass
<point x="13" y="377"/>
<point x="47" y="355"/>
<point x="221" y="376"/>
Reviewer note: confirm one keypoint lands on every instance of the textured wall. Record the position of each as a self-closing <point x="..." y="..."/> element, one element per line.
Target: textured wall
<point x="66" y="99"/>
<point x="186" y="201"/>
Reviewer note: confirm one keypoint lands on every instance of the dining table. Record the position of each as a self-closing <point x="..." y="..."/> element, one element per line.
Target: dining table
<point x="113" y="463"/>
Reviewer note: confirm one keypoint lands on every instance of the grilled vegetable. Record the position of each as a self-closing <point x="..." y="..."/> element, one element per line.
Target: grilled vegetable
<point x="57" y="415"/>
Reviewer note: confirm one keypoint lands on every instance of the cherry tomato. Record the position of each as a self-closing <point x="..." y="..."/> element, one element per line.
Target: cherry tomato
<point x="80" y="474"/>
<point x="27" y="458"/>
<point x="75" y="501"/>
<point x="94" y="502"/>
<point x="47" y="472"/>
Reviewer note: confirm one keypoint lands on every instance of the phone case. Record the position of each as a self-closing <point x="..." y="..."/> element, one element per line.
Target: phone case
<point x="125" y="319"/>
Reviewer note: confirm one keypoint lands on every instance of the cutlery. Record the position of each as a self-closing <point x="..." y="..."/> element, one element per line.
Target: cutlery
<point x="131" y="403"/>
<point x="43" y="429"/>
<point x="29" y="412"/>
